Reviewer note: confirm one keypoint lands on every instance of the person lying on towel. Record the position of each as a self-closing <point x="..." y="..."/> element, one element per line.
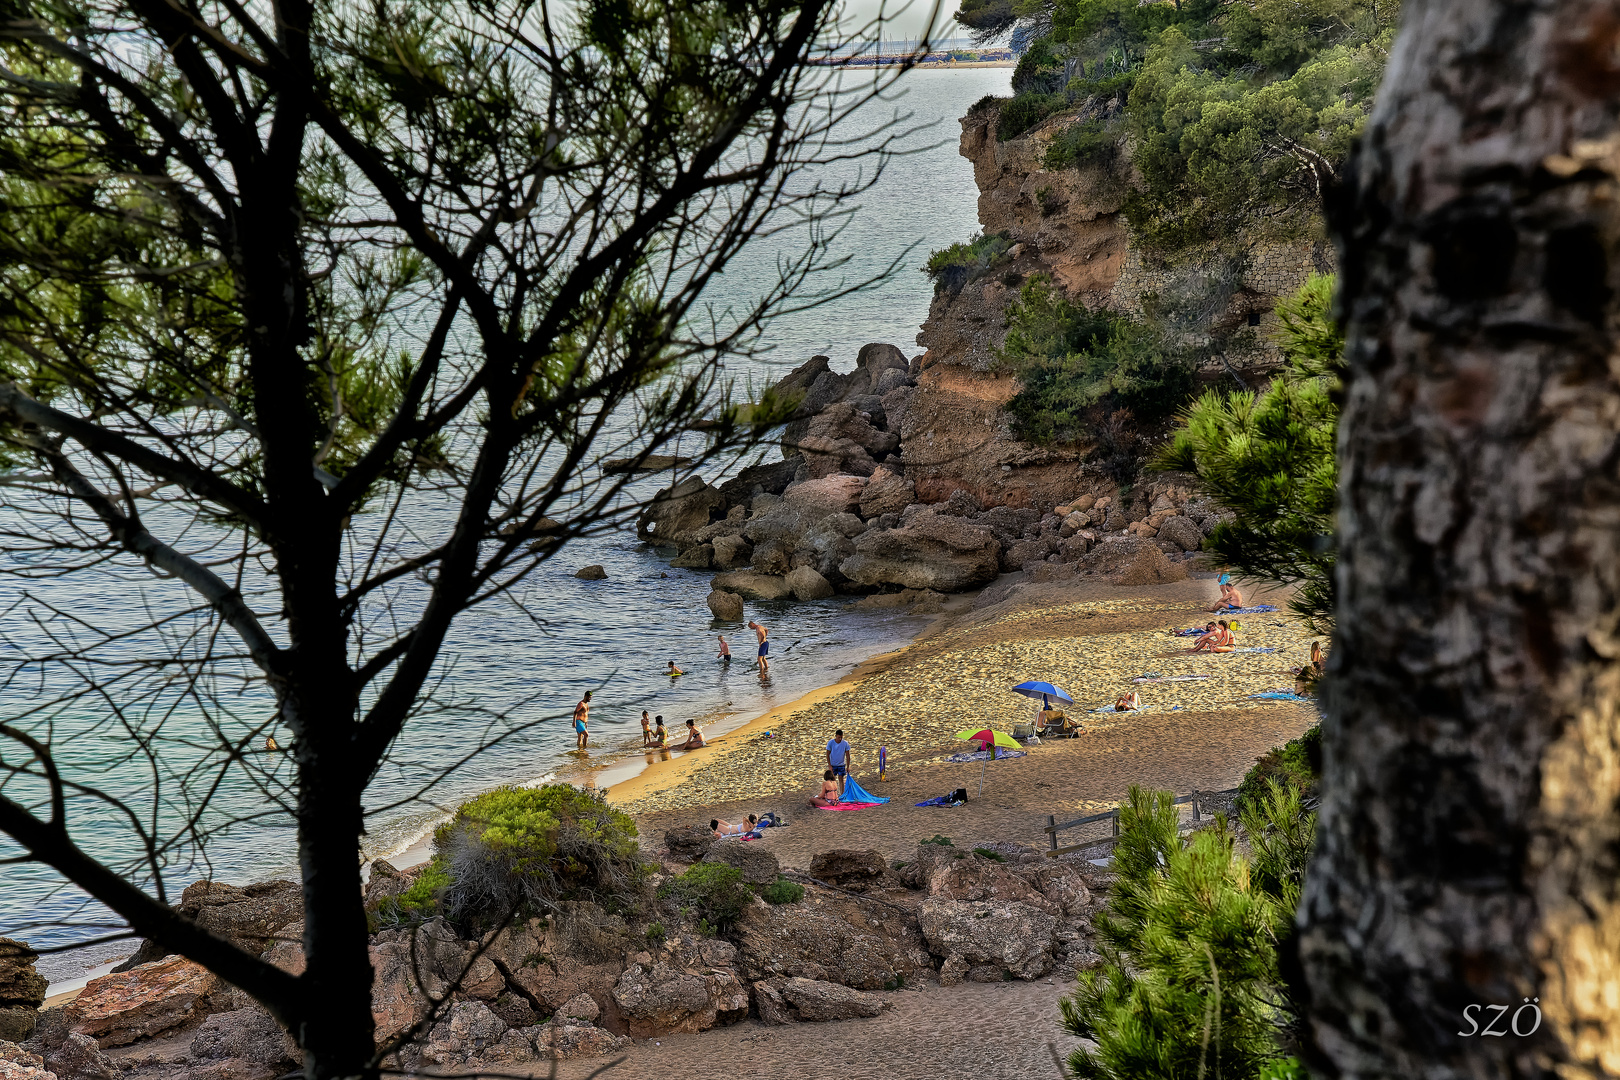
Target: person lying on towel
<point x="829" y="790"/>
<point x="724" y="829"/>
<point x="1130" y="701"/>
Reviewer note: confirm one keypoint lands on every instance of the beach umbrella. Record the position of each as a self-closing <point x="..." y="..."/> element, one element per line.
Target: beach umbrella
<point x="991" y="736"/>
<point x="1044" y="692"/>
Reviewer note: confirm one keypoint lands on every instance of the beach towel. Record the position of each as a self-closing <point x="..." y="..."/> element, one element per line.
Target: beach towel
<point x="1122" y="712"/>
<point x="1256" y="648"/>
<point x="850" y="806"/>
<point x="1281" y="695"/>
<point x="942" y="800"/>
<point x="854" y="793"/>
<point x="1256" y="610"/>
<point x="1191" y="631"/>
<point x="984" y="755"/>
<point x="1154" y="676"/>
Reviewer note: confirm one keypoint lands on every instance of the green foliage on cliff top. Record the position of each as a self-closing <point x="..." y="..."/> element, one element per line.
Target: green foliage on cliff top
<point x="1071" y="359"/>
<point x="1269" y="458"/>
<point x="952" y="267"/>
<point x="1190" y="975"/>
<point x="1237" y="114"/>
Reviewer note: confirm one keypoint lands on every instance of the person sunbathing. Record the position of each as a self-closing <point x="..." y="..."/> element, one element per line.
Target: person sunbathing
<point x="1220" y="639"/>
<point x="829" y="790"/>
<point x="723" y="829"/>
<point x="694" y="737"/>
<point x="1231" y="599"/>
<point x="1130" y="701"/>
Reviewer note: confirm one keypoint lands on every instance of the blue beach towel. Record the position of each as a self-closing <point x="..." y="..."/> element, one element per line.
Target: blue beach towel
<point x="939" y="800"/>
<point x="984" y="755"/>
<point x="1281" y="695"/>
<point x="1256" y="610"/>
<point x="854" y="793"/>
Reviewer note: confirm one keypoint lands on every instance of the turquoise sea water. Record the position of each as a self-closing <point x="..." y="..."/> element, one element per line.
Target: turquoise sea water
<point x="613" y="637"/>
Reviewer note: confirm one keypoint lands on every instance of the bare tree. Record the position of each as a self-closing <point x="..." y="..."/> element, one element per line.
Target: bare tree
<point x="275" y="273"/>
<point x="1465" y="881"/>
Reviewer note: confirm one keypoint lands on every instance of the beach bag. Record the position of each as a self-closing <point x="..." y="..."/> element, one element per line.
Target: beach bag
<point x="959" y="795"/>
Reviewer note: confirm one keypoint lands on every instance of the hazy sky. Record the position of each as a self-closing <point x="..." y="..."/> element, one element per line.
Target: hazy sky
<point x="906" y="20"/>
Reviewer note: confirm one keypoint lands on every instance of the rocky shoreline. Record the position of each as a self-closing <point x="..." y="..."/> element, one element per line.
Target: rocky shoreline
<point x="584" y="982"/>
<point x="838" y="513"/>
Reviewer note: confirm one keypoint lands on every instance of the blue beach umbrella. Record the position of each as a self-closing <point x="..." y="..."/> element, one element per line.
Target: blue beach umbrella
<point x="1045" y="691"/>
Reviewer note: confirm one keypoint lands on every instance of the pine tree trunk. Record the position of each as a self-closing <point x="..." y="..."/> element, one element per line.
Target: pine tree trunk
<point x="1470" y="826"/>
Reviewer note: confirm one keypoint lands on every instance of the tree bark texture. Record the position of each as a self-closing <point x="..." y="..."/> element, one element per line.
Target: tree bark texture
<point x="1470" y="823"/>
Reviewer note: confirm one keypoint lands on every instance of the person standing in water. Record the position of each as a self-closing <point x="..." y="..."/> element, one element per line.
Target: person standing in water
<point x="764" y="647"/>
<point x="582" y="720"/>
<point x="725" y="650"/>
<point x="646" y="729"/>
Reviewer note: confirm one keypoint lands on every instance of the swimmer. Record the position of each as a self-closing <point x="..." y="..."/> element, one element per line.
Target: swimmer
<point x="673" y="670"/>
<point x="725" y="650"/>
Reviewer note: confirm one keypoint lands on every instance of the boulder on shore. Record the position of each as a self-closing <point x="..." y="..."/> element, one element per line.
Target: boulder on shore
<point x="248" y="916"/>
<point x="1181" y="532"/>
<point x="688" y="843"/>
<point x="844" y="866"/>
<point x="752" y="586"/>
<point x="1001" y="938"/>
<point x="731" y="552"/>
<point x="807" y="584"/>
<point x="692" y="989"/>
<point x="594" y="572"/>
<point x="837" y="493"/>
<point x="929" y="551"/>
<point x="886" y="493"/>
<point x="726" y="606"/>
<point x="758" y="866"/>
<point x="784" y="1001"/>
<point x="697" y="558"/>
<point x="119" y="1008"/>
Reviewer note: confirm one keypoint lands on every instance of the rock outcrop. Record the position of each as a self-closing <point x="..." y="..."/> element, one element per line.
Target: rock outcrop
<point x="691" y="987"/>
<point x="786" y="1001"/>
<point x="152" y="999"/>
<point x="862" y="943"/>
<point x="22" y="990"/>
<point x="758" y="866"/>
<point x="930" y="551"/>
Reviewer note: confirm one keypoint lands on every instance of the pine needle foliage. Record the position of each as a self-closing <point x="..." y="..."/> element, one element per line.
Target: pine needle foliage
<point x="1269" y="458"/>
<point x="1190" y="986"/>
<point x="1070" y="359"/>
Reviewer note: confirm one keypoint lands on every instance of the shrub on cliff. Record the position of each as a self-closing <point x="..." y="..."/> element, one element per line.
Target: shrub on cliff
<point x="953" y="267"/>
<point x="1269" y="458"/>
<point x="1190" y="975"/>
<point x="1071" y="359"/>
<point x="1297" y="763"/>
<point x="714" y="892"/>
<point x="521" y="849"/>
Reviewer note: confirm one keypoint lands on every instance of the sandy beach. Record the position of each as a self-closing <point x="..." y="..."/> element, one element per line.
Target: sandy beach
<point x="1091" y="639"/>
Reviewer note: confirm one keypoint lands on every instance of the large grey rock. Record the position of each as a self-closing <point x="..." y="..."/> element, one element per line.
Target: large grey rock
<point x="758" y="866"/>
<point x="411" y="963"/>
<point x="19" y="1064"/>
<point x="1181" y="532"/>
<point x="466" y="1032"/>
<point x="786" y="1001"/>
<point x="886" y="493"/>
<point x="813" y="999"/>
<point x="20" y="984"/>
<point x="767" y="477"/>
<point x="1021" y="552"/>
<point x="1133" y="561"/>
<point x="594" y="572"/>
<point x="731" y="552"/>
<point x="17" y="1022"/>
<point x="123" y="1007"/>
<point x="675" y="515"/>
<point x="250" y="1039"/>
<point x="877" y="357"/>
<point x="928" y="552"/>
<point x="844" y="438"/>
<point x="78" y="1057"/>
<point x="692" y="987"/>
<point x="567" y="1041"/>
<point x="688" y="843"/>
<point x="854" y="940"/>
<point x="551" y="964"/>
<point x="248" y="916"/>
<point x="581" y="1008"/>
<point x="726" y="606"/>
<point x="842" y="866"/>
<point x="752" y="586"/>
<point x="1009" y="937"/>
<point x="833" y="494"/>
<point x="808" y="584"/>
<point x="773" y="557"/>
<point x="695" y="558"/>
<point x="890" y="380"/>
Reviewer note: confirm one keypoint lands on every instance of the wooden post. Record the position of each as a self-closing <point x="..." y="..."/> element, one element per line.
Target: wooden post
<point x="1051" y="823"/>
<point x="1115" y="822"/>
<point x="1195" y="805"/>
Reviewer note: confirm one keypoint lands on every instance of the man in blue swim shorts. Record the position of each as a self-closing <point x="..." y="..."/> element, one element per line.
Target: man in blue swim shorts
<point x="838" y="758"/>
<point x="764" y="647"/>
<point x="582" y="719"/>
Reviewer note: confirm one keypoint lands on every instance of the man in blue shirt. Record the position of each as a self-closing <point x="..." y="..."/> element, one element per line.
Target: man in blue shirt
<point x="838" y="752"/>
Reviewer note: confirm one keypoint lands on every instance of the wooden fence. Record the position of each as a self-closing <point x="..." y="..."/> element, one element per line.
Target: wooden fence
<point x="1053" y="827"/>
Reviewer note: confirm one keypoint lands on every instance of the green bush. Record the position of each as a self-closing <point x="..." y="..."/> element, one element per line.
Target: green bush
<point x="1190" y="974"/>
<point x="942" y="841"/>
<point x="421" y="900"/>
<point x="714" y="891"/>
<point x="515" y="849"/>
<point x="1019" y="114"/>
<point x="993" y="856"/>
<point x="655" y="933"/>
<point x="1089" y="142"/>
<point x="782" y="891"/>
<point x="953" y="267"/>
<point x="1070" y="359"/>
<point x="1297" y="763"/>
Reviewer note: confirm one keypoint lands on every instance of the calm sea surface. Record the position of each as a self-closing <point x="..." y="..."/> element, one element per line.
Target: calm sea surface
<point x="613" y="637"/>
